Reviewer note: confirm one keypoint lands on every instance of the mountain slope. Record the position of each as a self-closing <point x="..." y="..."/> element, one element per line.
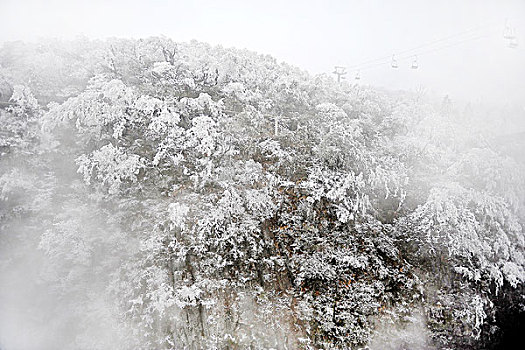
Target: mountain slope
<point x="189" y="196"/>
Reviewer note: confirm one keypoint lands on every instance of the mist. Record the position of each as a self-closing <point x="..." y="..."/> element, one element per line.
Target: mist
<point x="473" y="64"/>
<point x="277" y="175"/>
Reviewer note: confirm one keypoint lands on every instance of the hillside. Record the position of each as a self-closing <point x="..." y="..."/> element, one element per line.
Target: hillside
<point x="163" y="195"/>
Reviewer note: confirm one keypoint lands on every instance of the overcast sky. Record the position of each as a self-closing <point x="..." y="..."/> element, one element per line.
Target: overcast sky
<point x="474" y="63"/>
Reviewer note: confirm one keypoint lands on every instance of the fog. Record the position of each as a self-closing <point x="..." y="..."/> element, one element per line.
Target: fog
<point x="473" y="63"/>
<point x="452" y="55"/>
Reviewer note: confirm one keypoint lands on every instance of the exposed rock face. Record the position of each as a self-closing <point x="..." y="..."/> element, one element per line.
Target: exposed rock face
<point x="507" y="321"/>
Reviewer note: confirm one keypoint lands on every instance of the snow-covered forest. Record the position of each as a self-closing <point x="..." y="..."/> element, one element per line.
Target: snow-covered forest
<point x="165" y="195"/>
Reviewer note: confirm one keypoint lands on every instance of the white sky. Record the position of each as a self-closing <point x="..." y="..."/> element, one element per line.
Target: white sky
<point x="314" y="35"/>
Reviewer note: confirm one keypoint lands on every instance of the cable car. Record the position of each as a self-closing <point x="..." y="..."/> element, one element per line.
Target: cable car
<point x="415" y="65"/>
<point x="394" y="62"/>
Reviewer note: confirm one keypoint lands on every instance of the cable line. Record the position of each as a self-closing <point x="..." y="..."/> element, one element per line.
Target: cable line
<point x="487" y="24"/>
<point x="424" y="52"/>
